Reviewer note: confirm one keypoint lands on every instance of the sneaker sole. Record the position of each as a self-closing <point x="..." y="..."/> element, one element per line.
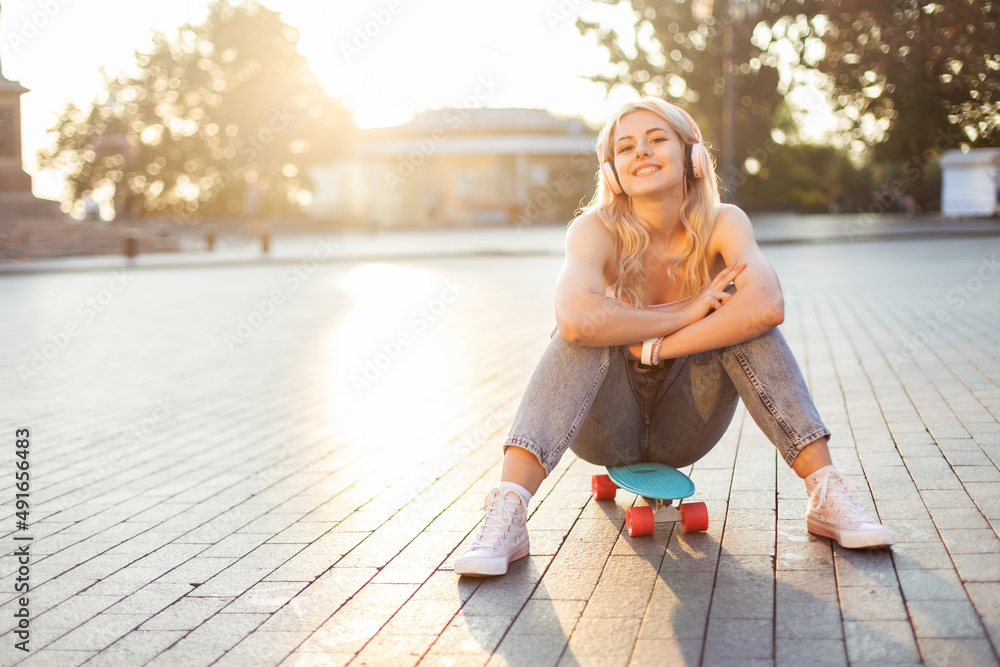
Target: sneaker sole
<point x="853" y="539"/>
<point x="489" y="567"/>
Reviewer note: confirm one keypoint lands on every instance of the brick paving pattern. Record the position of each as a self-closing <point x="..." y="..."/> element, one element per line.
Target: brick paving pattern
<point x="274" y="465"/>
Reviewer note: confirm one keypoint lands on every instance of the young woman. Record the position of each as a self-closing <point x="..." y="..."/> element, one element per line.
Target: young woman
<point x="651" y="259"/>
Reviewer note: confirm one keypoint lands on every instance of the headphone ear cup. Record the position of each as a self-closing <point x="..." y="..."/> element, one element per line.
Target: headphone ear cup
<point x="698" y="155"/>
<point x="611" y="178"/>
<point x="699" y="160"/>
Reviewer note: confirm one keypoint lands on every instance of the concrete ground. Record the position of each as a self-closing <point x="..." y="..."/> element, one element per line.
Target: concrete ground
<point x="273" y="462"/>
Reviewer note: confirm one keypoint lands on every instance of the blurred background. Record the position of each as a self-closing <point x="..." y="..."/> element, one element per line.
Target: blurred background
<point x="168" y="124"/>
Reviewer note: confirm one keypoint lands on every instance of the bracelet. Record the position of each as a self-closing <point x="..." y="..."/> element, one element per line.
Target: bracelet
<point x="647" y="348"/>
<point x="656" y="350"/>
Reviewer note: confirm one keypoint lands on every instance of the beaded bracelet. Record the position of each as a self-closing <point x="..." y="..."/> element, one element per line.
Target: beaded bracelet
<point x="656" y="350"/>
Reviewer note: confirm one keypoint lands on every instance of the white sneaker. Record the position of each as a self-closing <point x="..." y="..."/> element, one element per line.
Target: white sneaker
<point x="833" y="512"/>
<point x="502" y="538"/>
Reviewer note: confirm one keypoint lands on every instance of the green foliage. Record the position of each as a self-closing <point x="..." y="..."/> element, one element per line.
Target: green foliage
<point x="802" y="177"/>
<point x="921" y="70"/>
<point x="810" y="178"/>
<point x="229" y="103"/>
<point x="908" y="80"/>
<point x="674" y="56"/>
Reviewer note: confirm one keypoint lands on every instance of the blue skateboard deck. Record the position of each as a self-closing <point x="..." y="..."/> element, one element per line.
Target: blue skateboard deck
<point x="652" y="480"/>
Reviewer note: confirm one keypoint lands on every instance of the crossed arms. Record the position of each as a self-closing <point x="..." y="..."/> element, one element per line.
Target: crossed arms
<point x="586" y="316"/>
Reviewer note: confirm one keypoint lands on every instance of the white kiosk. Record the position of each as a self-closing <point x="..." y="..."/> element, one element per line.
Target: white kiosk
<point x="970" y="181"/>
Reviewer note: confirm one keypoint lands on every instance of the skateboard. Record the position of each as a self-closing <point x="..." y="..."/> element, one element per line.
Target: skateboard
<point x="659" y="485"/>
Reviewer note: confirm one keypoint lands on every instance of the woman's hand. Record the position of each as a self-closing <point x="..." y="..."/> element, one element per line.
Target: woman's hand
<point x="713" y="295"/>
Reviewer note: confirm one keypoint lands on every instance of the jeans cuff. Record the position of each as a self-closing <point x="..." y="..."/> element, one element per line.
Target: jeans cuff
<point x="524" y="443"/>
<point x="793" y="452"/>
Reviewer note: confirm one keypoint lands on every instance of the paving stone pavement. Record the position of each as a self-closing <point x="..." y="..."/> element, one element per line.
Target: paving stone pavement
<point x="274" y="465"/>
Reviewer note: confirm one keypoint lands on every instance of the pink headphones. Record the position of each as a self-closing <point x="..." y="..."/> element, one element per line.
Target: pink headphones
<point x="697" y="158"/>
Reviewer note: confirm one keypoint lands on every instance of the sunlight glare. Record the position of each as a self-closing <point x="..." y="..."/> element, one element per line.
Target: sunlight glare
<point x="379" y="360"/>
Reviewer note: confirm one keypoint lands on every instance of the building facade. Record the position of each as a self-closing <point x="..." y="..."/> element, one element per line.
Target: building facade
<point x="459" y="167"/>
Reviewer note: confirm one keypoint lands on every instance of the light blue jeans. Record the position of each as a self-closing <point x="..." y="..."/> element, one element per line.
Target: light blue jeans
<point x="611" y="411"/>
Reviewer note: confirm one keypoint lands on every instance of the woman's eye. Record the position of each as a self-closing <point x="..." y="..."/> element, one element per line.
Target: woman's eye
<point x="624" y="148"/>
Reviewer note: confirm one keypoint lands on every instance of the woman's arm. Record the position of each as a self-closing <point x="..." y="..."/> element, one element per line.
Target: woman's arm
<point x="755" y="308"/>
<point x="584" y="314"/>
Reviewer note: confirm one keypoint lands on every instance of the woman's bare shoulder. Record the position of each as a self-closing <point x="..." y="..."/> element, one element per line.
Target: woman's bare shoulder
<point x="732" y="238"/>
<point x="732" y="228"/>
<point x="731" y="217"/>
<point x="588" y="240"/>
<point x="589" y="229"/>
<point x="589" y="222"/>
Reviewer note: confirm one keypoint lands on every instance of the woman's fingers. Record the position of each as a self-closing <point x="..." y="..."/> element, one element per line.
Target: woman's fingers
<point x="718" y="298"/>
<point x="725" y="277"/>
<point x="715" y="291"/>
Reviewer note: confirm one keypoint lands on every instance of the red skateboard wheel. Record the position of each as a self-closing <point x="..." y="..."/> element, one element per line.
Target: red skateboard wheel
<point x="602" y="487"/>
<point x="639" y="521"/>
<point x="694" y="517"/>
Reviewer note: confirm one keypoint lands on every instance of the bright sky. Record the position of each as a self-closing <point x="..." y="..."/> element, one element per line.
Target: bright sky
<point x="385" y="59"/>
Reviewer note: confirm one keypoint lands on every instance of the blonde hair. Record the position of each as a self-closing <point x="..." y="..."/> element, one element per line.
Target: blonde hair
<point x="631" y="233"/>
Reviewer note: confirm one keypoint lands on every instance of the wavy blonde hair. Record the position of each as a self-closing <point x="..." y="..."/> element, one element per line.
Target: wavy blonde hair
<point x="631" y="233"/>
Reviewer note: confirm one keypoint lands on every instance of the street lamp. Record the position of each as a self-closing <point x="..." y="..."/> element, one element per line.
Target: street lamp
<point x="736" y="11"/>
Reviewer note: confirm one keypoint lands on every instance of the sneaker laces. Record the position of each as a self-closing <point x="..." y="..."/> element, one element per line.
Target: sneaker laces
<point x="839" y="495"/>
<point x="498" y="519"/>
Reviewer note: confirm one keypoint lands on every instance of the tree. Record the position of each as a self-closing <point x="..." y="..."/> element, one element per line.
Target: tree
<point x="673" y="55"/>
<point x="230" y="105"/>
<point x="907" y="80"/>
<point x="805" y="178"/>
<point x="926" y="76"/>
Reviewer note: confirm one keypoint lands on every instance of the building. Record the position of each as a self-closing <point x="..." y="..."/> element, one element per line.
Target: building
<point x="456" y="167"/>
<point x="970" y="181"/>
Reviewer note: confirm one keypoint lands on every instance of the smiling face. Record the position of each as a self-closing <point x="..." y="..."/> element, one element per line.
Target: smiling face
<point x="648" y="154"/>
